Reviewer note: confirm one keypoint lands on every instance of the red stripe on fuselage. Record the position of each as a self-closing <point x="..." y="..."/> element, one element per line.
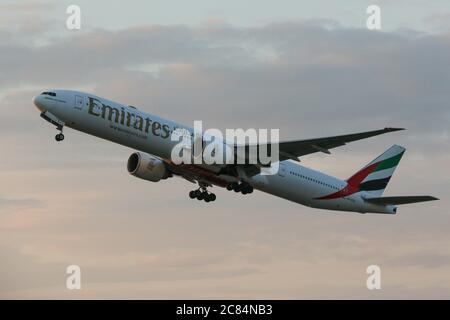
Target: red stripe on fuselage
<point x="346" y="191"/>
<point x="352" y="183"/>
<point x="357" y="178"/>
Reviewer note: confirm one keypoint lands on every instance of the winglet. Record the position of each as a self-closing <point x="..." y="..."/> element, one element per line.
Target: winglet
<point x="389" y="129"/>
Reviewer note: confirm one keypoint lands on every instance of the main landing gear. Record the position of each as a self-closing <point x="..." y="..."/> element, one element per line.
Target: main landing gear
<point x="243" y="187"/>
<point x="60" y="135"/>
<point x="202" y="194"/>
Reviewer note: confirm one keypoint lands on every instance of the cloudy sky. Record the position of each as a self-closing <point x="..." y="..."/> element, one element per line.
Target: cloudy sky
<point x="311" y="69"/>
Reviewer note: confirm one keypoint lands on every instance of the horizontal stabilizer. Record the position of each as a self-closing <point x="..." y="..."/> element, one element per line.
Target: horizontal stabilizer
<point x="400" y="200"/>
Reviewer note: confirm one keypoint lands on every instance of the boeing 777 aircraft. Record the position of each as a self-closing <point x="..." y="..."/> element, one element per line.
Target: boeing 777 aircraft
<point x="150" y="135"/>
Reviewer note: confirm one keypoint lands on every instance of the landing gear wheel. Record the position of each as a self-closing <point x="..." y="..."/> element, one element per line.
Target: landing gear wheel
<point x="59" y="137"/>
<point x="201" y="195"/>
<point x="236" y="187"/>
<point x="210" y="197"/>
<point x="243" y="187"/>
<point x="247" y="189"/>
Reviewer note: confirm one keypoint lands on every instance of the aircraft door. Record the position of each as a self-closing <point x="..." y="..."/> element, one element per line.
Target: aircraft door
<point x="79" y="102"/>
<point x="282" y="169"/>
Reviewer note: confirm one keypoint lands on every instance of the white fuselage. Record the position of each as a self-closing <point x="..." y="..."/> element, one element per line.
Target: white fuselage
<point x="151" y="134"/>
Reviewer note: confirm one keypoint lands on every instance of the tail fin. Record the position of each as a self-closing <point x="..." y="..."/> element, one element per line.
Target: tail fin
<point x="375" y="176"/>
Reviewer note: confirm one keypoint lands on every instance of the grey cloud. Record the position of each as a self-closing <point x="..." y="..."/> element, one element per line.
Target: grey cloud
<point x="25" y="7"/>
<point x="370" y="77"/>
<point x="142" y="273"/>
<point x="21" y="271"/>
<point x="8" y="203"/>
<point x="26" y="23"/>
<point x="425" y="260"/>
<point x="375" y="79"/>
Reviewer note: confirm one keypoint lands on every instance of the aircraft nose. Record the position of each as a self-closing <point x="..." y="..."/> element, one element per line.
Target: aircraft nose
<point x="39" y="102"/>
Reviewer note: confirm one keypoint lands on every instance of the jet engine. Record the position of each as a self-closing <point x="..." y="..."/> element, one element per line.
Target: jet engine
<point x="147" y="167"/>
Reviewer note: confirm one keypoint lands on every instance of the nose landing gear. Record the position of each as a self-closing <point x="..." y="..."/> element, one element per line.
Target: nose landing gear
<point x="202" y="194"/>
<point x="60" y="135"/>
<point x="47" y="116"/>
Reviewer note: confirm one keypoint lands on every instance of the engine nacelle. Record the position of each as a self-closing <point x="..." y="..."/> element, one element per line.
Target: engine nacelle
<point x="147" y="167"/>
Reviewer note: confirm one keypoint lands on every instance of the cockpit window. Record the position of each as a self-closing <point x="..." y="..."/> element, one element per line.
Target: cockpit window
<point x="49" y="94"/>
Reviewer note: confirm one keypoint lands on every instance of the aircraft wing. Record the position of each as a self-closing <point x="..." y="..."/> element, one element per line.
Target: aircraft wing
<point x="297" y="148"/>
<point x="294" y="149"/>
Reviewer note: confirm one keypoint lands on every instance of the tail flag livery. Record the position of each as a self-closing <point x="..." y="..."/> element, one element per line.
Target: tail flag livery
<point x="375" y="176"/>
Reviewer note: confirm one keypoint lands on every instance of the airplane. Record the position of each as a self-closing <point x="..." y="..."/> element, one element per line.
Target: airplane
<point x="150" y="136"/>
